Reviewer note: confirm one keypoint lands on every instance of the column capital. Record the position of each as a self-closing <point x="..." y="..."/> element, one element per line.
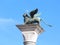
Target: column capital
<point x="30" y="32"/>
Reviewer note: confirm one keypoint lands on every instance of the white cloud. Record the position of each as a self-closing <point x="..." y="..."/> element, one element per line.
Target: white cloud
<point x="6" y="24"/>
<point x="8" y="21"/>
<point x="3" y="20"/>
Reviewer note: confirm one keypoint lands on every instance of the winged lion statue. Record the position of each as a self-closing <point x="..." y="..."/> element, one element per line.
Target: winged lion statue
<point x="33" y="18"/>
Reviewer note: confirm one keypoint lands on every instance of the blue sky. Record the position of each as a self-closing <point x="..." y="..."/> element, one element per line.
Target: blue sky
<point x="11" y="12"/>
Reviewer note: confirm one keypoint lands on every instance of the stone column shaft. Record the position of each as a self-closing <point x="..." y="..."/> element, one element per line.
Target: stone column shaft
<point x="29" y="43"/>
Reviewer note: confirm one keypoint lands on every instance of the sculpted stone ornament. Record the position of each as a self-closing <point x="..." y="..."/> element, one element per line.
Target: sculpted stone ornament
<point x="33" y="18"/>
